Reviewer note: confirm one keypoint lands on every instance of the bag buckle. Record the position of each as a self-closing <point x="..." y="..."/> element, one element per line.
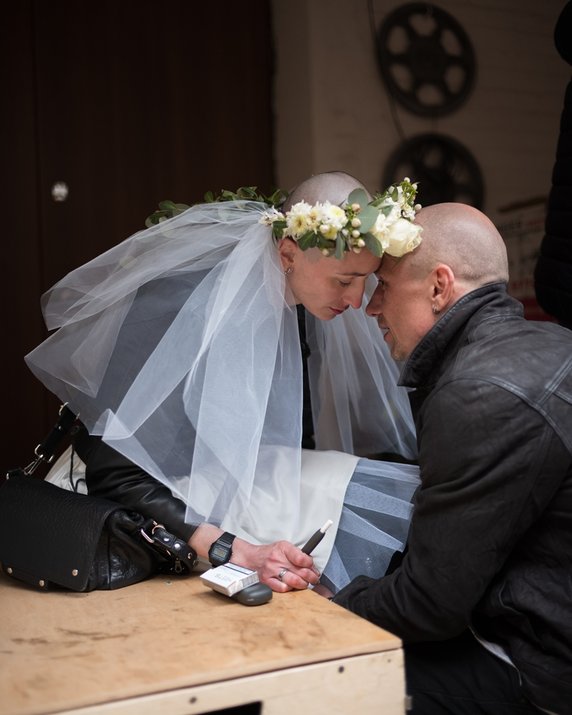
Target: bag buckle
<point x="45" y="451"/>
<point x="170" y="545"/>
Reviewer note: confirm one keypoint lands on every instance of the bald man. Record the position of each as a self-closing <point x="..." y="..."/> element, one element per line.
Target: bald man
<point x="483" y="596"/>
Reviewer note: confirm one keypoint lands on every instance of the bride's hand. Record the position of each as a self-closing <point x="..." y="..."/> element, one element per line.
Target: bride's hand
<point x="280" y="565"/>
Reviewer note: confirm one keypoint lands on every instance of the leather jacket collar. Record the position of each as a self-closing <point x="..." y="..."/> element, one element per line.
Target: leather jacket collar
<point x="488" y="300"/>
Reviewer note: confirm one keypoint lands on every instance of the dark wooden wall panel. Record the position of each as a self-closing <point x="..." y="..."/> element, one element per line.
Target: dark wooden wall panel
<point x="128" y="103"/>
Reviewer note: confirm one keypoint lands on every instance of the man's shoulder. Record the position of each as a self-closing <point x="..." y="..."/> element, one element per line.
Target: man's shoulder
<point x="529" y="366"/>
<point x="522" y="351"/>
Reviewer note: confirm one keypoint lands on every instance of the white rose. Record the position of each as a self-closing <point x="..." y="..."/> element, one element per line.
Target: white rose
<point x="380" y="230"/>
<point x="403" y="237"/>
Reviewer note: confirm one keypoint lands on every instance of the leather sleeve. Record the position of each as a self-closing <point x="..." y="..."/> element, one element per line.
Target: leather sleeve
<point x="113" y="476"/>
<point x="482" y="490"/>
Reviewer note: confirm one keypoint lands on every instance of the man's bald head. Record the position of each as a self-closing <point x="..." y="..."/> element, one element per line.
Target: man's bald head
<point x="460" y="251"/>
<point x="332" y="186"/>
<point x="463" y="238"/>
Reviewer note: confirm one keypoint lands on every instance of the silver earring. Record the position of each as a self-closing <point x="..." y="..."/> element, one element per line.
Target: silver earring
<point x="288" y="271"/>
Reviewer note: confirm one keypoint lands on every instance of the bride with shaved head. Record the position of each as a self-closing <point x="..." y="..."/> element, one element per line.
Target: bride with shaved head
<point x="230" y="385"/>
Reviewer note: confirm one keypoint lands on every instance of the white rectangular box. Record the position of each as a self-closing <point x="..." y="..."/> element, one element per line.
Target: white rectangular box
<point x="229" y="578"/>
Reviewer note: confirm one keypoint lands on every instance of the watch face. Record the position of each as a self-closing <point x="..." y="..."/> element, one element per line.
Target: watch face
<point x="219" y="553"/>
<point x="221" y="550"/>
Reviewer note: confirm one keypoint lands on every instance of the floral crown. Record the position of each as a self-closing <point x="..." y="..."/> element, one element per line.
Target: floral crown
<point x="382" y="225"/>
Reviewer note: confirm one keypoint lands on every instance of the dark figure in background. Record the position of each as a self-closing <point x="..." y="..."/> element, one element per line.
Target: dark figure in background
<point x="553" y="273"/>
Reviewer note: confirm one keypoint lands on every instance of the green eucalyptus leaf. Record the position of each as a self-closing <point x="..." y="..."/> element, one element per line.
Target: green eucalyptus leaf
<point x="373" y="245"/>
<point x="340" y="246"/>
<point x="166" y="205"/>
<point x="368" y="216"/>
<point x="358" y="196"/>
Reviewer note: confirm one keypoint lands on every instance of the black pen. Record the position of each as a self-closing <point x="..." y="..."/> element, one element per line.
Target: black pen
<point x="316" y="537"/>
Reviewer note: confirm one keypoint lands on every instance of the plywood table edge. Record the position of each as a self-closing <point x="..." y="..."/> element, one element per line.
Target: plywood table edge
<point x="296" y="610"/>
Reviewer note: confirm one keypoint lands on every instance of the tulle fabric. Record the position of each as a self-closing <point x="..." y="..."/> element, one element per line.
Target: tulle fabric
<point x="179" y="348"/>
<point x="374" y="522"/>
<point x="356" y="405"/>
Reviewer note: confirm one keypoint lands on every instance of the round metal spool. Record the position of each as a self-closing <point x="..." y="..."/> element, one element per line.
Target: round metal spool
<point x="426" y="58"/>
<point x="444" y="169"/>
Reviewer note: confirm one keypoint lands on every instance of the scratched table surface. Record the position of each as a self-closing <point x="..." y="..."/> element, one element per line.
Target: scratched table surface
<point x="67" y="649"/>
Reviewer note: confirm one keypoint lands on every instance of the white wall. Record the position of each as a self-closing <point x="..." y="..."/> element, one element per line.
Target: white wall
<point x="333" y="111"/>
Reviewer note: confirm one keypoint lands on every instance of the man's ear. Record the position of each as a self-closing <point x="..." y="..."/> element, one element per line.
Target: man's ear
<point x="287" y="249"/>
<point x="443" y="287"/>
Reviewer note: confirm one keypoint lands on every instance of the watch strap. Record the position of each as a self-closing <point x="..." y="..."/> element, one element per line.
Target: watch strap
<point x="221" y="549"/>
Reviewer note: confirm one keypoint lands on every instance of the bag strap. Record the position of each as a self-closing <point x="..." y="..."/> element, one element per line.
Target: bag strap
<point x="45" y="451"/>
<point x="168" y="545"/>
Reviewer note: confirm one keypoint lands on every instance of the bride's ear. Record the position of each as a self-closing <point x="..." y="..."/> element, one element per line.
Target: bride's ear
<point x="443" y="287"/>
<point x="287" y="249"/>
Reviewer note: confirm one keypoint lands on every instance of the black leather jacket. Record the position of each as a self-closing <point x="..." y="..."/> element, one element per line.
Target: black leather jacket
<point x="490" y="544"/>
<point x="110" y="475"/>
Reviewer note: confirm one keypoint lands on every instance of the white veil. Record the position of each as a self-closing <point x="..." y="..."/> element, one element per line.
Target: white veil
<point x="177" y="347"/>
<point x="356" y="404"/>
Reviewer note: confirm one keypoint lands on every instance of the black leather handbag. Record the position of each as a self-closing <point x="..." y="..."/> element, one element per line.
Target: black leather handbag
<point x="51" y="536"/>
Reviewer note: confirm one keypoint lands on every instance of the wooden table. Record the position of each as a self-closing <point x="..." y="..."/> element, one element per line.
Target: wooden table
<point x="174" y="647"/>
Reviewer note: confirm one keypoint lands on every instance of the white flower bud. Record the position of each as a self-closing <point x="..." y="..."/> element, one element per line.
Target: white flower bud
<point x="356" y="207"/>
<point x="355" y="233"/>
<point x="356" y="223"/>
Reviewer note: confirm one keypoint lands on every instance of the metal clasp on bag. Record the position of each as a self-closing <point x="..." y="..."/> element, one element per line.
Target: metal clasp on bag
<point x="146" y="536"/>
<point x="40" y="457"/>
<point x="31" y="468"/>
<point x="62" y="426"/>
<point x="178" y="565"/>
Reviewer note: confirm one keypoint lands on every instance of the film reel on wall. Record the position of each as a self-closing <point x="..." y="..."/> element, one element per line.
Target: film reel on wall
<point x="443" y="167"/>
<point x="426" y="59"/>
<point x="428" y="65"/>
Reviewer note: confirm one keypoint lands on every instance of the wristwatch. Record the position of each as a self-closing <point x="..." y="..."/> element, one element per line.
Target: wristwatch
<point x="221" y="549"/>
